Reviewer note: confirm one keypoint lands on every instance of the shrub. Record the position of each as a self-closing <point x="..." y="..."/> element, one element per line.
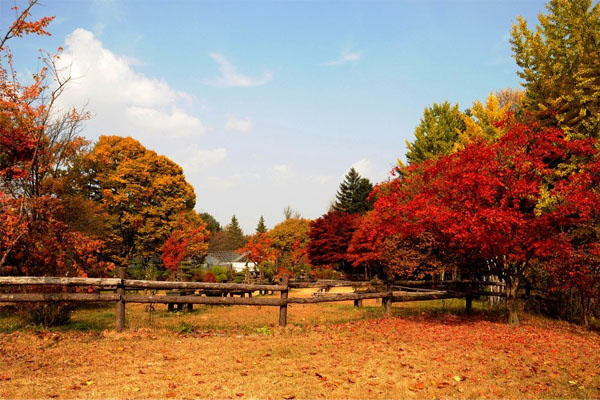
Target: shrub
<point x="48" y="314"/>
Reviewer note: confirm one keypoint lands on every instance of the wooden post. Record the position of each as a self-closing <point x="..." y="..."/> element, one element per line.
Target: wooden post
<point x="388" y="306"/>
<point x="357" y="303"/>
<point x="469" y="299"/>
<point x="386" y="302"/>
<point x="120" y="310"/>
<point x="469" y="304"/>
<point x="283" y="308"/>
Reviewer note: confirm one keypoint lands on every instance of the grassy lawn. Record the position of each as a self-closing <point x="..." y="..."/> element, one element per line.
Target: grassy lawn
<point x="424" y="350"/>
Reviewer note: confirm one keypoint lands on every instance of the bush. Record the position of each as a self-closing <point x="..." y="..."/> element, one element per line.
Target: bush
<point x="50" y="314"/>
<point x="208" y="277"/>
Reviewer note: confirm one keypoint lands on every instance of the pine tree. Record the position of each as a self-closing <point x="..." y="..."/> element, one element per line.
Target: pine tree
<point x="352" y="197"/>
<point x="261" y="227"/>
<point x="234" y="236"/>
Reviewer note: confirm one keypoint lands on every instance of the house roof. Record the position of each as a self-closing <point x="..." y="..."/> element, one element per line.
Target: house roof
<point x="226" y="256"/>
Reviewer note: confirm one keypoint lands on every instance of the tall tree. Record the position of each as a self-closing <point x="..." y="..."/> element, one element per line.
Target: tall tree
<point x="485" y="203"/>
<point x="290" y="240"/>
<point x="38" y="145"/>
<point x="261" y="227"/>
<point x="436" y="133"/>
<point x="259" y="249"/>
<point x="330" y="237"/>
<point x="187" y="240"/>
<point x="485" y="121"/>
<point x="353" y="195"/>
<point x="233" y="237"/>
<point x="142" y="192"/>
<point x="289" y="213"/>
<point x="560" y="65"/>
<point x="212" y="224"/>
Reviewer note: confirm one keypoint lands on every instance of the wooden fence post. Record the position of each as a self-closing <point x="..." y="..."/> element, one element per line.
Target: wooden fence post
<point x="469" y="299"/>
<point x="386" y="303"/>
<point x="120" y="311"/>
<point x="469" y="304"/>
<point x="283" y="307"/>
<point x="357" y="303"/>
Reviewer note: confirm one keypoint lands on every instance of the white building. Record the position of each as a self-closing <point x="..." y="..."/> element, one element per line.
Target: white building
<point x="238" y="262"/>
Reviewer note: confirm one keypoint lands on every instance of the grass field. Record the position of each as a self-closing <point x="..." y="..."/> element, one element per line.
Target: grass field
<point x="424" y="350"/>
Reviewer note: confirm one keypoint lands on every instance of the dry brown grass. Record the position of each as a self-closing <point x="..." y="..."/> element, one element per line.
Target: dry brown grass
<point x="328" y="351"/>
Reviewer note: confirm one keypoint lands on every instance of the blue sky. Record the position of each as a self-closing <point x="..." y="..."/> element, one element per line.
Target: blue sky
<point x="268" y="104"/>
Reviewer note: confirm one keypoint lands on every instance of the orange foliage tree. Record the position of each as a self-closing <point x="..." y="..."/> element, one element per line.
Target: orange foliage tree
<point x="189" y="239"/>
<point x="142" y="193"/>
<point x="38" y="143"/>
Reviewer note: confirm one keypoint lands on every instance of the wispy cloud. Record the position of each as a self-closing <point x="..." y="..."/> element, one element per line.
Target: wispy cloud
<point x="231" y="77"/>
<point x="239" y="124"/>
<point x="196" y="159"/>
<point x="347" y="56"/>
<point x="281" y="172"/>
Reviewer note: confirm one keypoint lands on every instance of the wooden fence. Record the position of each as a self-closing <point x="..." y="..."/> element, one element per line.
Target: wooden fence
<point x="409" y="291"/>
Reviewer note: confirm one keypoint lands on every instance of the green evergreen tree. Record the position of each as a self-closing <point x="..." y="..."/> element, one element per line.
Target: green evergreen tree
<point x="261" y="227"/>
<point x="560" y="64"/>
<point x="234" y="236"/>
<point x="212" y="224"/>
<point x="352" y="196"/>
<point x="436" y="133"/>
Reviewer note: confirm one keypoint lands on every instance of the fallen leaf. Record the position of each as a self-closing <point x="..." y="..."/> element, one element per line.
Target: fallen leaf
<point x="420" y="385"/>
<point x="457" y="378"/>
<point x="442" y="385"/>
<point x="171" y="394"/>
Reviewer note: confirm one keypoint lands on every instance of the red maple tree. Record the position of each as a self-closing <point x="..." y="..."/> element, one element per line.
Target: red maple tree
<point x="483" y="202"/>
<point x="330" y="237"/>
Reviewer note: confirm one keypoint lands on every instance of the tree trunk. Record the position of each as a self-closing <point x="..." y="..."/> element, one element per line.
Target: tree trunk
<point x="512" y="302"/>
<point x="585" y="310"/>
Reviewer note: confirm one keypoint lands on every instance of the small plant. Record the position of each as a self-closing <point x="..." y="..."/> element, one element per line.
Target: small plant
<point x="184" y="327"/>
<point x="264" y="330"/>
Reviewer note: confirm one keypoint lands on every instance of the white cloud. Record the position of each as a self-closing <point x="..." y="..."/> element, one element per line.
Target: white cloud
<point x="197" y="159"/>
<point x="374" y="172"/>
<point x="363" y="167"/>
<point x="227" y="182"/>
<point x="239" y="124"/>
<point x="322" y="179"/>
<point x="176" y="122"/>
<point x="122" y="100"/>
<point x="281" y="171"/>
<point x="345" y="57"/>
<point x="230" y="77"/>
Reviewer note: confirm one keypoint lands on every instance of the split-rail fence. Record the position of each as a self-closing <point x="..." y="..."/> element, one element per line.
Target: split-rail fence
<point x="121" y="288"/>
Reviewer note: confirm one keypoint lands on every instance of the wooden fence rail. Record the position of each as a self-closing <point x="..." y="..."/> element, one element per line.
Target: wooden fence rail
<point x="120" y="285"/>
